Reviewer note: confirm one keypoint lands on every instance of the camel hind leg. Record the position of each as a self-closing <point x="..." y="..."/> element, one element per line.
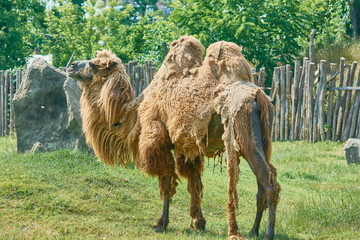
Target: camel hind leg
<point x="251" y="144"/>
<point x="192" y="170"/>
<point x="156" y="159"/>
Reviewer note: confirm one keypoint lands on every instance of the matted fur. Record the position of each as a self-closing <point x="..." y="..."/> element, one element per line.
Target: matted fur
<point x="175" y="113"/>
<point x="108" y="112"/>
<point x="226" y="58"/>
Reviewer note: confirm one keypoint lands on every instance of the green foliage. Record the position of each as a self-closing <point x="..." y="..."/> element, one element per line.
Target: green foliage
<point x="21" y="22"/>
<point x="72" y="31"/>
<point x="267" y="30"/>
<point x="43" y="195"/>
<point x="271" y="32"/>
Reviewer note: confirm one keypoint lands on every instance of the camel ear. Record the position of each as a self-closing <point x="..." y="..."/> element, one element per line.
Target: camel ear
<point x="92" y="65"/>
<point x="112" y="65"/>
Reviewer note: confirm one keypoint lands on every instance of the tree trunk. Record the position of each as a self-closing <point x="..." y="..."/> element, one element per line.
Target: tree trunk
<point x="355" y="17"/>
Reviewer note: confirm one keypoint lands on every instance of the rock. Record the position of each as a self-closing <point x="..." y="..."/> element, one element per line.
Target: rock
<point x="352" y="151"/>
<point x="47" y="110"/>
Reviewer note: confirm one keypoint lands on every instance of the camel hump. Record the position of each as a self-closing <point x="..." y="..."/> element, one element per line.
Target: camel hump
<point x="228" y="57"/>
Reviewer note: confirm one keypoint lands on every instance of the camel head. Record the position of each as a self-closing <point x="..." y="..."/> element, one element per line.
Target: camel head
<point x="105" y="83"/>
<point x="80" y="71"/>
<point x="186" y="52"/>
<point x="226" y="57"/>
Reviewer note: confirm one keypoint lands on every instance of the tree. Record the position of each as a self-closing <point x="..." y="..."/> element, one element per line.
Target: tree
<point x="355" y="17"/>
<point x="21" y="23"/>
<point x="267" y="30"/>
<point x="84" y="30"/>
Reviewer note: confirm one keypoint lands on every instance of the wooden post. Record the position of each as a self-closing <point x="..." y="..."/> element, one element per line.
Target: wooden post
<point x="344" y="135"/>
<point x="354" y="111"/>
<point x="152" y="73"/>
<point x="294" y="97"/>
<point x="338" y="101"/>
<point x="130" y="71"/>
<point x="2" y="82"/>
<point x="310" y="99"/>
<point x="342" y="104"/>
<point x="297" y="130"/>
<point x="254" y="76"/>
<point x="312" y="46"/>
<point x="322" y="86"/>
<point x="288" y="100"/>
<point x="282" y="90"/>
<point x="333" y="70"/>
<point x="165" y="48"/>
<point x="303" y="121"/>
<point x="6" y="100"/>
<point x="18" y="79"/>
<point x="134" y="82"/>
<point x="316" y="111"/>
<point x="126" y="66"/>
<point x="141" y="80"/>
<point x="276" y="81"/>
<point x="12" y="115"/>
<point x="262" y="77"/>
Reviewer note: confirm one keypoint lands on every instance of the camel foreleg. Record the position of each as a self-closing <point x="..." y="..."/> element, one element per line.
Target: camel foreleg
<point x="156" y="159"/>
<point x="192" y="170"/>
<point x="165" y="186"/>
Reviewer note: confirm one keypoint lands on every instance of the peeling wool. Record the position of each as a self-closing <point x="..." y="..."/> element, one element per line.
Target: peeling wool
<point x="184" y="93"/>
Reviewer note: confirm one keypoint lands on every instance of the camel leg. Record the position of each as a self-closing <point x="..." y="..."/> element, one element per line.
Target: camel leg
<point x="263" y="170"/>
<point x="163" y="221"/>
<point x="232" y="161"/>
<point x="260" y="207"/>
<point x="192" y="170"/>
<point x="156" y="159"/>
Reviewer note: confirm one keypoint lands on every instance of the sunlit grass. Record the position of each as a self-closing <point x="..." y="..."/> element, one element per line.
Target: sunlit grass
<point x="70" y="195"/>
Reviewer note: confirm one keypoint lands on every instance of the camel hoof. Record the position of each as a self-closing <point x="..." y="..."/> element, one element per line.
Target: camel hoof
<point x="254" y="233"/>
<point x="159" y="228"/>
<point x="237" y="237"/>
<point x="198" y="224"/>
<point x="269" y="235"/>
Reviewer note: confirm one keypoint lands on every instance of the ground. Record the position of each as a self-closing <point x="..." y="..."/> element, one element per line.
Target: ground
<point x="67" y="195"/>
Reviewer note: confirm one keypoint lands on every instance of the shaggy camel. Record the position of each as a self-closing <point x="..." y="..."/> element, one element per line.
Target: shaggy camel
<point x="195" y="108"/>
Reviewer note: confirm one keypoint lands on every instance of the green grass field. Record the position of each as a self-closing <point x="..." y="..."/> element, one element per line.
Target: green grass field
<point x="67" y="195"/>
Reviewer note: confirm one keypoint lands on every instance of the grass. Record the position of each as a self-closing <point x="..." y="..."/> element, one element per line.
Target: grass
<point x="70" y="195"/>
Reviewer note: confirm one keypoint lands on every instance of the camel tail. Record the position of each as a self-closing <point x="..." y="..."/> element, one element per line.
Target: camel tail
<point x="266" y="120"/>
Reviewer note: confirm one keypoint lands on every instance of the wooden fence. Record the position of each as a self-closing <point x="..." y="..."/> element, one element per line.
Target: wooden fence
<point x="316" y="104"/>
<point x="140" y="77"/>
<point x="9" y="83"/>
<point x="311" y="103"/>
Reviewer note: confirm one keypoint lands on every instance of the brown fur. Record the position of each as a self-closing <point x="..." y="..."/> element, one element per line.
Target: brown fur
<point x="175" y="113"/>
<point x="109" y="114"/>
<point x="226" y="57"/>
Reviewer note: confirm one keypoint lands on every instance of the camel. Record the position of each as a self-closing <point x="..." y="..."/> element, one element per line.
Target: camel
<point x="192" y="107"/>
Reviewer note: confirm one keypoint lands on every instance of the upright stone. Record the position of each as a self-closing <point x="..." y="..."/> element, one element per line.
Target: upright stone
<point x="352" y="151"/>
<point x="47" y="110"/>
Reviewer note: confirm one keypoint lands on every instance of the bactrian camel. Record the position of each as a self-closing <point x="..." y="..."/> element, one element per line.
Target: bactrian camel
<point x="192" y="107"/>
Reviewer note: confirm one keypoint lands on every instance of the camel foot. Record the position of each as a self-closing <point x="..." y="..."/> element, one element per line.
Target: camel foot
<point x="254" y="232"/>
<point x="161" y="225"/>
<point x="269" y="236"/>
<point x="237" y="237"/>
<point x="159" y="228"/>
<point x="198" y="224"/>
